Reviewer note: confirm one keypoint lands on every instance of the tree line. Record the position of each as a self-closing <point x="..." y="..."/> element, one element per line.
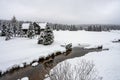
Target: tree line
<point x="89" y="27"/>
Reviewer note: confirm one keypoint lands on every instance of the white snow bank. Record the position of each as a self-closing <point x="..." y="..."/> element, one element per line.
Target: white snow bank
<point x="107" y="62"/>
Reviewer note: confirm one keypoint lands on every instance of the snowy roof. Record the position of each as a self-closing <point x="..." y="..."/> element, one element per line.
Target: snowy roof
<point x="25" y="25"/>
<point x="42" y="25"/>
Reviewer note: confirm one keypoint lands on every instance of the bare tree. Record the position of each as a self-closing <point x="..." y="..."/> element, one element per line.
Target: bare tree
<point x="84" y="70"/>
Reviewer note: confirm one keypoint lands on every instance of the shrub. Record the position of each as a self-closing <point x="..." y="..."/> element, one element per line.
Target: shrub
<point x="81" y="71"/>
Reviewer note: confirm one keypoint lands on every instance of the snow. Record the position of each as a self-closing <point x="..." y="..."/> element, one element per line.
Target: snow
<point x="85" y="37"/>
<point x="25" y="25"/>
<point x="19" y="50"/>
<point x="106" y="62"/>
<point x="48" y="78"/>
<point x="42" y="25"/>
<point x="25" y="78"/>
<point x="35" y="64"/>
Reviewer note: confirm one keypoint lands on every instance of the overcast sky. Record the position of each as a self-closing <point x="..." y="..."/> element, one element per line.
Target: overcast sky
<point x="63" y="11"/>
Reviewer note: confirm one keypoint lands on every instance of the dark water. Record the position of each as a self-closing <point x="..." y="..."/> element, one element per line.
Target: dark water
<point x="38" y="72"/>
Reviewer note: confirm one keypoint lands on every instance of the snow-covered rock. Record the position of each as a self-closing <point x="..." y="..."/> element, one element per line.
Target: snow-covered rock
<point x="24" y="78"/>
<point x="35" y="64"/>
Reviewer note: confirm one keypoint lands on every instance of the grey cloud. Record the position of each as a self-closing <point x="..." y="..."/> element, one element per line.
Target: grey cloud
<point x="63" y="11"/>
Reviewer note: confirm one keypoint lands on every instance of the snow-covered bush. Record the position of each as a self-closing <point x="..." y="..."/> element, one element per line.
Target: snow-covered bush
<point x="84" y="70"/>
<point x="46" y="37"/>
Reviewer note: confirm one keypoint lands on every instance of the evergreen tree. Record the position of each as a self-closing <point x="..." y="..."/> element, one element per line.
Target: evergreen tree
<point x="40" y="39"/>
<point x="9" y="33"/>
<point x="15" y="26"/>
<point x="31" y="32"/>
<point x="48" y="36"/>
<point x="20" y="32"/>
<point x="3" y="30"/>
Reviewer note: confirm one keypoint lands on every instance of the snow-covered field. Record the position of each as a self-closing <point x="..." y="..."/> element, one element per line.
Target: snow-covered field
<point x="106" y="62"/>
<point x="19" y="50"/>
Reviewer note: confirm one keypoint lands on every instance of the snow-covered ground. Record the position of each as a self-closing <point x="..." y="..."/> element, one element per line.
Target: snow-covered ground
<point x="106" y="62"/>
<point x="19" y="50"/>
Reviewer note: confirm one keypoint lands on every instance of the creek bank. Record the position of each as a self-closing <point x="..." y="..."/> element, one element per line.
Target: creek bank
<point x="46" y="64"/>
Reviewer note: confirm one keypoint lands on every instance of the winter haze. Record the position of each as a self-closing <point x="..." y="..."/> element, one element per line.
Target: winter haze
<point x="63" y="11"/>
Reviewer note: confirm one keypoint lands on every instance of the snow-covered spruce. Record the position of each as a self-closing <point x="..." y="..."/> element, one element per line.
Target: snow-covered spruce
<point x="3" y="30"/>
<point x="46" y="37"/>
<point x="31" y="31"/>
<point x="41" y="37"/>
<point x="9" y="33"/>
<point x="11" y="29"/>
